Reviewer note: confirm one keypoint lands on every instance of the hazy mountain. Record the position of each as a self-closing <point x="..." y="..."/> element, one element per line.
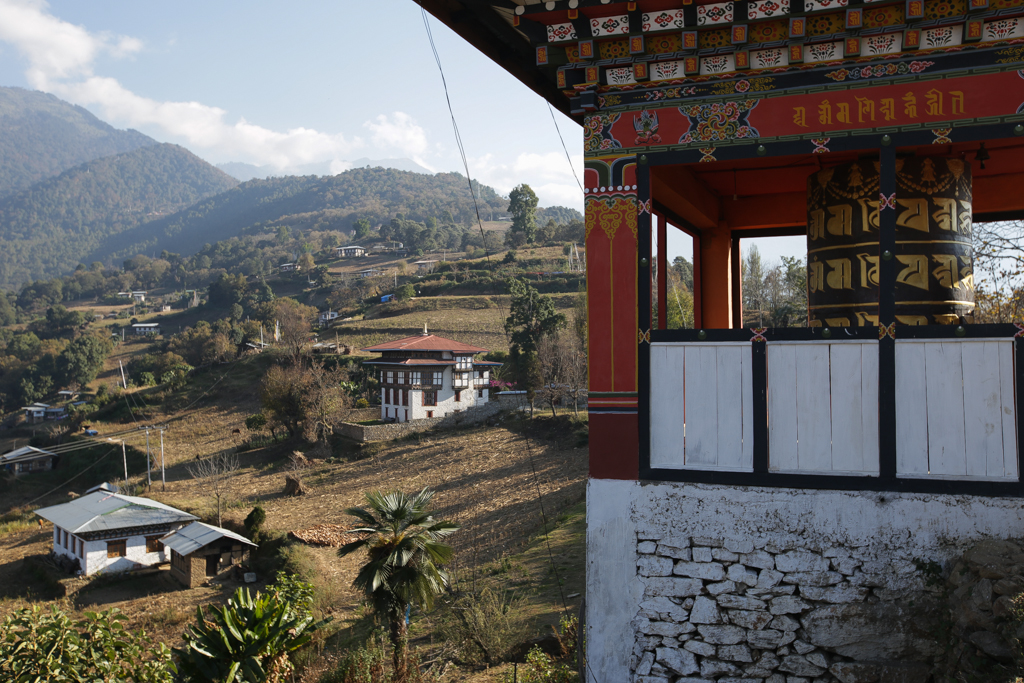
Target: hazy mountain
<point x="42" y="136"/>
<point x="49" y="228"/>
<point x="245" y="172"/>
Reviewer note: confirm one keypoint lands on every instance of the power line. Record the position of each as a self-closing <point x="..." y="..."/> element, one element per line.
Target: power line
<point x="551" y="110"/>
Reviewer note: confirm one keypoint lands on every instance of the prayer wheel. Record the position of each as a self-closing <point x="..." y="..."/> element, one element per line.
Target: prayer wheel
<point x="934" y="270"/>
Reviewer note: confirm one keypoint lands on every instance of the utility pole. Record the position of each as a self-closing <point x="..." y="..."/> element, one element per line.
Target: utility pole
<point x="163" y="475"/>
<point x="149" y="469"/>
<point x="124" y="457"/>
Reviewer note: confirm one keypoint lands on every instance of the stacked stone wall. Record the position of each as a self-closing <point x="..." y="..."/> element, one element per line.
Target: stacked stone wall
<point x="757" y="610"/>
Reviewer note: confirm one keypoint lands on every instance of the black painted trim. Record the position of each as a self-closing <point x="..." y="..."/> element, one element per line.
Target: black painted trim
<point x="886" y="315"/>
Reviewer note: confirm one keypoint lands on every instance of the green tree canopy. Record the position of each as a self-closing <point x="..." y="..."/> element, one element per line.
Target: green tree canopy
<point x="531" y="316"/>
<point x="522" y="204"/>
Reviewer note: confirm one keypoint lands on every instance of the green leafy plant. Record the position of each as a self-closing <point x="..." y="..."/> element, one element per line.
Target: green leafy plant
<point x="485" y="627"/>
<point x="38" y="646"/>
<point x="249" y="639"/>
<point x="254" y="521"/>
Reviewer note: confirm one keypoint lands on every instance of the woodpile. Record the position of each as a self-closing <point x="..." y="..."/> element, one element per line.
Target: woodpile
<point x="327" y="535"/>
<point x="299" y="461"/>
<point x="293" y="486"/>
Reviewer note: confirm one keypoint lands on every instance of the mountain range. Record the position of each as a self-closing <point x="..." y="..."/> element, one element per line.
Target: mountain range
<point x="243" y="171"/>
<point x="76" y="190"/>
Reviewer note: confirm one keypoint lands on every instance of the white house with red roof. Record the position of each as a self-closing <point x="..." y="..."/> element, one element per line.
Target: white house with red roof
<point x="427" y="376"/>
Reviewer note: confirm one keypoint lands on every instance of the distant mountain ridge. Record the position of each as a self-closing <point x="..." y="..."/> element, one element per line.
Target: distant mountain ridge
<point x="244" y="172"/>
<point x="42" y="136"/>
<point x="65" y="220"/>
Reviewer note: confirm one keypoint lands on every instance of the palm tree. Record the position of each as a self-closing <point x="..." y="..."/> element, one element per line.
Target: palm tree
<point x="404" y="563"/>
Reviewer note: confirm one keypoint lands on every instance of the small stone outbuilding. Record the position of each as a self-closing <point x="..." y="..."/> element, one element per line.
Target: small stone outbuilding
<point x="200" y="552"/>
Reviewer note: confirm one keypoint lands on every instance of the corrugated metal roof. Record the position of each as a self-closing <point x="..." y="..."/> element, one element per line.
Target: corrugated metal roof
<point x="425" y="342"/>
<point x="25" y="453"/>
<point x="198" y="535"/>
<point x="102" y="511"/>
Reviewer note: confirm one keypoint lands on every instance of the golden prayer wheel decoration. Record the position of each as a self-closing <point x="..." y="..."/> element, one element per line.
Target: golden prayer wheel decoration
<point x="934" y="270"/>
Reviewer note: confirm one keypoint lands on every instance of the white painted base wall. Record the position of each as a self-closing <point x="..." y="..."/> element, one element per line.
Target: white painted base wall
<point x="95" y="555"/>
<point x="821" y="552"/>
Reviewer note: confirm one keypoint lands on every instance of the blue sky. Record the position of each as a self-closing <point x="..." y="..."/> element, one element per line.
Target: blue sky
<point x="282" y="84"/>
<point x="290" y="83"/>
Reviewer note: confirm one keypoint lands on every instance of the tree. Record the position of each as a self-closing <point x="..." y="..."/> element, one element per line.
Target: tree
<point x="39" y="645"/>
<point x="404" y="560"/>
<point x="522" y="204"/>
<point x="213" y="475"/>
<point x="281" y="394"/>
<point x="325" y="401"/>
<point x="998" y="269"/>
<point x="81" y="360"/>
<point x="296" y="326"/>
<point x="362" y="229"/>
<point x="405" y="292"/>
<point x="531" y="316"/>
<point x="59" y="320"/>
<point x="306" y="263"/>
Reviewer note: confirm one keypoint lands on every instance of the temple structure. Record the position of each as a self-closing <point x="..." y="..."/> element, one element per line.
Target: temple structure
<point x="752" y="488"/>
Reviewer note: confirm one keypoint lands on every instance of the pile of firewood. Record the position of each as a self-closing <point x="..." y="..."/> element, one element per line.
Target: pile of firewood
<point x="328" y="535"/>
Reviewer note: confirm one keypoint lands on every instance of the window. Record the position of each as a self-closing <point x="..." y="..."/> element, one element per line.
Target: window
<point x="464" y="362"/>
<point x="401" y="378"/>
<point x="64" y="538"/>
<point x="81" y="548"/>
<point x="430" y="414"/>
<point x="458" y="395"/>
<point x="480" y="374"/>
<point x="153" y="544"/>
<point x="117" y="548"/>
<point x="391" y="377"/>
<point x="479" y="393"/>
<point x="414" y="378"/>
<point x="429" y="399"/>
<point x="438" y="378"/>
<point x="179" y="563"/>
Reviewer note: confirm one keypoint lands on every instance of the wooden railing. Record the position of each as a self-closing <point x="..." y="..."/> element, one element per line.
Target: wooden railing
<point x="799" y="407"/>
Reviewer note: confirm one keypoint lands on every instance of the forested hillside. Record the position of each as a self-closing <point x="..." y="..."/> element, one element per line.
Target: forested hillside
<point x="42" y="136"/>
<point x="60" y="222"/>
<point x="376" y="195"/>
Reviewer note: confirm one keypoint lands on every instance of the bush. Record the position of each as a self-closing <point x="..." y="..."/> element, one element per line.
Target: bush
<point x="541" y="667"/>
<point x="254" y="522"/>
<point x="36" y="645"/>
<point x="485" y="627"/>
<point x="366" y="664"/>
<point x="362" y="403"/>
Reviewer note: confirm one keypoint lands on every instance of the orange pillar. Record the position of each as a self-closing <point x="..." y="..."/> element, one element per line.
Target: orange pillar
<point x="716" y="277"/>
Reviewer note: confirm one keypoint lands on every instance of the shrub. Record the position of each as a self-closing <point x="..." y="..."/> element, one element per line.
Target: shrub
<point x="254" y="522"/>
<point x="485" y="627"/>
<point x="362" y="403"/>
<point x="36" y="645"/>
<point x="366" y="664"/>
<point x="540" y="667"/>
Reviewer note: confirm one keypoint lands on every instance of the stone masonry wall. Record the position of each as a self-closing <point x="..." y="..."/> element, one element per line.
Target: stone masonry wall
<point x="396" y="430"/>
<point x="759" y="610"/>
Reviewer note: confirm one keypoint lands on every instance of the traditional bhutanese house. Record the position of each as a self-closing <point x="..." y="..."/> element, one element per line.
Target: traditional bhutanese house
<point x="734" y="463"/>
<point x="143" y="329"/>
<point x="200" y="551"/>
<point x="35" y="412"/>
<point x="288" y="267"/>
<point x="110" y="532"/>
<point x="28" y="459"/>
<point x="429" y="376"/>
<point x="350" y="251"/>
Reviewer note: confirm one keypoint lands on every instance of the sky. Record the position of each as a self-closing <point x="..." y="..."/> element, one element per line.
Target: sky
<point x="283" y="84"/>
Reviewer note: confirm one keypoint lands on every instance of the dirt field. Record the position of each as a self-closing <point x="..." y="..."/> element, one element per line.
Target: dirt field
<point x="484" y="479"/>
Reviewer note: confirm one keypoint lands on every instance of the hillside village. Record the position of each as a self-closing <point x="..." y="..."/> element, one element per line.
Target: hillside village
<point x="357" y="422"/>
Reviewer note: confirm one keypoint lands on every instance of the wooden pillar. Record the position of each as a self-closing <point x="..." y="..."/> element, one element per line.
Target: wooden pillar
<point x="663" y="267"/>
<point x="715" y="278"/>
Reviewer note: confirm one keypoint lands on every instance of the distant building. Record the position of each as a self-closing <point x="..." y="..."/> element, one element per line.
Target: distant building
<point x="35" y="412"/>
<point x="428" y="376"/>
<point x="200" y="551"/>
<point x="426" y="265"/>
<point x="142" y="329"/>
<point x="371" y="272"/>
<point x="351" y="251"/>
<point x="327" y="316"/>
<point x="137" y="297"/>
<point x="111" y="532"/>
<point x="28" y="459"/>
<point x="288" y="267"/>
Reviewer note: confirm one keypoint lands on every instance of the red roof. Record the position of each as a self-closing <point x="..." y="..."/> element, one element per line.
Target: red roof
<point x="427" y="342"/>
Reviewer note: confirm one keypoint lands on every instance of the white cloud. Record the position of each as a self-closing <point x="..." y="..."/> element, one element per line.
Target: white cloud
<point x="549" y="175"/>
<point x="60" y="60"/>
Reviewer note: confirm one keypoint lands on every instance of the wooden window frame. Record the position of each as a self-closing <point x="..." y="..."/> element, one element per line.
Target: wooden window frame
<point x="115" y="545"/>
<point x="153" y="544"/>
<point x="458" y="395"/>
<point x="430" y="398"/>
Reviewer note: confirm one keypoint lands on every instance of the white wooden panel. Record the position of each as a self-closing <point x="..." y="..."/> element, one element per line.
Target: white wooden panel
<point x="911" y="409"/>
<point x="734" y="401"/>
<point x="869" y="408"/>
<point x="945" y="381"/>
<point x="702" y="407"/>
<point x="667" y="405"/>
<point x="983" y="422"/>
<point x="746" y="379"/>
<point x="1008" y="410"/>
<point x="814" y="423"/>
<point x="848" y="436"/>
<point x="782" y="408"/>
